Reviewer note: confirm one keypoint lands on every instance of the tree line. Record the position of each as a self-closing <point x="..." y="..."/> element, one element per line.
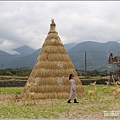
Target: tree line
<point x="27" y="71"/>
<point x="15" y="72"/>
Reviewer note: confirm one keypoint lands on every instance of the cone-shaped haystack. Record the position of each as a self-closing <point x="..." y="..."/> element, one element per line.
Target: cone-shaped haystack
<point x="50" y="75"/>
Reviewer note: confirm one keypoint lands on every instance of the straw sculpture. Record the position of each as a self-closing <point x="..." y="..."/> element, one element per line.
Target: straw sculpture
<point x="51" y="70"/>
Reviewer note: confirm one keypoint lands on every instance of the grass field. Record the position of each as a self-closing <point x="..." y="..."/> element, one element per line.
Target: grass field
<point x="59" y="108"/>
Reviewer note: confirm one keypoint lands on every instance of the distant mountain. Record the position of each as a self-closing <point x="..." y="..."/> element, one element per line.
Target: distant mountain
<point x="24" y="50"/>
<point x="5" y="57"/>
<point x="69" y="46"/>
<point x="24" y="61"/>
<point x="96" y="55"/>
<point x="29" y="60"/>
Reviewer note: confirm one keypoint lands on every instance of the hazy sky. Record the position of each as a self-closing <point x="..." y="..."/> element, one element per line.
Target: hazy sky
<point x="28" y="23"/>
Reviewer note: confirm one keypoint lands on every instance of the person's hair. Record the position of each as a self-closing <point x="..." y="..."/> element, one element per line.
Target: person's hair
<point x="70" y="76"/>
<point x="111" y="53"/>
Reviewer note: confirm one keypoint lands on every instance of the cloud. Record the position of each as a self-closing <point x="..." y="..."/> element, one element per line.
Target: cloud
<point x="27" y="23"/>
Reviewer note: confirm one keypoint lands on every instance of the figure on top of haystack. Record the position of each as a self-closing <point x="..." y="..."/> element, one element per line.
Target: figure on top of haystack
<point x="114" y="67"/>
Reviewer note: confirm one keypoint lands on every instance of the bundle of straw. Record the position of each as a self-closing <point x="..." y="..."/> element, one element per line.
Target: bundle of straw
<point x="50" y="73"/>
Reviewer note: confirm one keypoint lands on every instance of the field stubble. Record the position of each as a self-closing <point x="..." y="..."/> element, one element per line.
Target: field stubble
<point x="58" y="108"/>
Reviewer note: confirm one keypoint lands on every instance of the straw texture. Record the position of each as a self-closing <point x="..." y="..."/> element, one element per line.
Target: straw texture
<point x="49" y="77"/>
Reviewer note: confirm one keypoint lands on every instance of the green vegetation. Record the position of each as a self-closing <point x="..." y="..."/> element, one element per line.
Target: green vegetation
<point x="57" y="108"/>
<point x="92" y="73"/>
<point x="27" y="71"/>
<point x="11" y="90"/>
<point x="15" y="72"/>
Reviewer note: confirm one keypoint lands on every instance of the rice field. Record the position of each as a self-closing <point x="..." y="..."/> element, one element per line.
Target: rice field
<point x="96" y="107"/>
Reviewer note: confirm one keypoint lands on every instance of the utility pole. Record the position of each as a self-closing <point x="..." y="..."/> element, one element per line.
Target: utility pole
<point x="2" y="66"/>
<point x="1" y="69"/>
<point x="85" y="65"/>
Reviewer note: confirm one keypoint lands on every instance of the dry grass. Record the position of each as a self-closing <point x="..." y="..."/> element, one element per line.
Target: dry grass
<point x="57" y="108"/>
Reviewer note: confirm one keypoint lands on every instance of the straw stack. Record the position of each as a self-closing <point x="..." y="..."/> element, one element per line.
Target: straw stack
<point x="49" y="77"/>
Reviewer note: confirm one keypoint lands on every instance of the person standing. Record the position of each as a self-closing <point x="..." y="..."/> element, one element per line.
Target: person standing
<point x="72" y="90"/>
<point x="111" y="67"/>
<point x="110" y="58"/>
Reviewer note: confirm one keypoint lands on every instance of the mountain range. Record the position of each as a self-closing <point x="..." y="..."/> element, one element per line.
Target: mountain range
<point x="95" y="53"/>
<point x="24" y="50"/>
